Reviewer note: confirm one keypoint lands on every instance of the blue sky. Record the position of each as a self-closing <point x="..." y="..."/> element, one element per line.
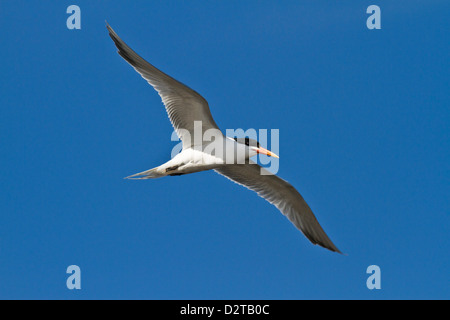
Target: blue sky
<point x="364" y="136"/>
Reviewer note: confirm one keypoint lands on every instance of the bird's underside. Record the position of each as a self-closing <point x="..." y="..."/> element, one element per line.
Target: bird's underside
<point x="185" y="108"/>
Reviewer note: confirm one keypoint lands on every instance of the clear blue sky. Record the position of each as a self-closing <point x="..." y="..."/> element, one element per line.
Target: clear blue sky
<point x="364" y="128"/>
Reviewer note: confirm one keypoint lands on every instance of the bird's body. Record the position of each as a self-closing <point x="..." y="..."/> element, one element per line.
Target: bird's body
<point x="197" y="158"/>
<point x="206" y="148"/>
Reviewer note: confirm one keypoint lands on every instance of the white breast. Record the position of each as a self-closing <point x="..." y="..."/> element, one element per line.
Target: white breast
<point x="209" y="156"/>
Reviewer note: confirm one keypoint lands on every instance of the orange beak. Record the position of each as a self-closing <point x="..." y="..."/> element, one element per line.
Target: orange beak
<point x="266" y="152"/>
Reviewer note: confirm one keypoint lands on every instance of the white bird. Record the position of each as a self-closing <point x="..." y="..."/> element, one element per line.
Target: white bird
<point x="188" y="109"/>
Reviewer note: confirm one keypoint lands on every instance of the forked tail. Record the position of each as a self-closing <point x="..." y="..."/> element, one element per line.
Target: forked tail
<point x="148" y="174"/>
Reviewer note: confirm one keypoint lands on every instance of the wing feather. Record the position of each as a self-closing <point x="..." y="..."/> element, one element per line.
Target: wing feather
<point x="183" y="105"/>
<point x="282" y="195"/>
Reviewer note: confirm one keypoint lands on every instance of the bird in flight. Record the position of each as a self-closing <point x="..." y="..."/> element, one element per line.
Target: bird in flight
<point x="191" y="117"/>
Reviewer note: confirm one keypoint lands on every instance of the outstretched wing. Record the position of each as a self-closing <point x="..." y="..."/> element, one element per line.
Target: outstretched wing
<point x="183" y="105"/>
<point x="283" y="196"/>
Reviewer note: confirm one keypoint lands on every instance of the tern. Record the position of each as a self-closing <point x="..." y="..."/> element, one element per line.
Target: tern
<point x="190" y="115"/>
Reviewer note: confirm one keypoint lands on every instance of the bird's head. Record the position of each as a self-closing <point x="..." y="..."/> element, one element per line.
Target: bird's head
<point x="254" y="147"/>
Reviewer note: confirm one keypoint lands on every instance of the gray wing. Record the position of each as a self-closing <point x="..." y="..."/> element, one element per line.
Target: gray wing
<point x="183" y="105"/>
<point x="283" y="196"/>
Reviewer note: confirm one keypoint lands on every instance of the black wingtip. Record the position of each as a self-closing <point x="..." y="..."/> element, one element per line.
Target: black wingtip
<point x="110" y="30"/>
<point x="332" y="249"/>
<point x="329" y="246"/>
<point x="335" y="249"/>
<point x="122" y="49"/>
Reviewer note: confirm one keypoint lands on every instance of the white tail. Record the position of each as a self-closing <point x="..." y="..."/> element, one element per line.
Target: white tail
<point x="148" y="174"/>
